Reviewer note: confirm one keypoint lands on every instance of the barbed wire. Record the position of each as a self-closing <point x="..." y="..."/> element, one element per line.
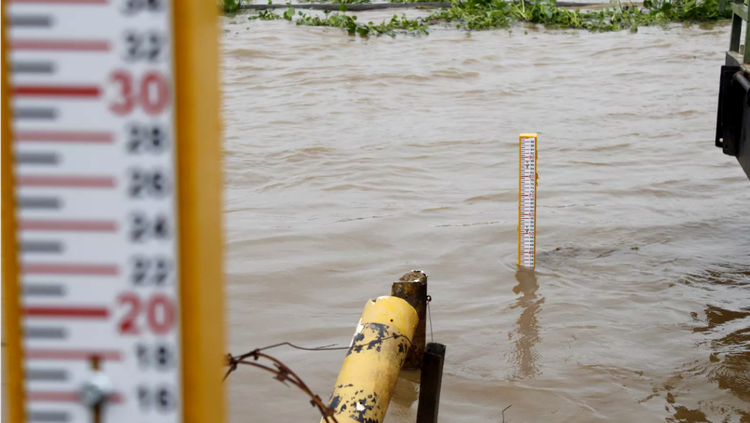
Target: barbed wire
<point x="284" y="374"/>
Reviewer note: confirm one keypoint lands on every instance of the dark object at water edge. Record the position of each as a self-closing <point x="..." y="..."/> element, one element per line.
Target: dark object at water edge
<point x="733" y="115"/>
<point x="430" y="383"/>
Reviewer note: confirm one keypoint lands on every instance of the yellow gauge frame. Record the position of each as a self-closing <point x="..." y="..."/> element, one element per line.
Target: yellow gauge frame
<point x="199" y="204"/>
<point x="12" y="363"/>
<point x="536" y="176"/>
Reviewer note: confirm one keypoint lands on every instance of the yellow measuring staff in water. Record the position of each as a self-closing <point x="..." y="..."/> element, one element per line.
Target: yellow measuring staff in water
<point x="527" y="182"/>
<point x="111" y="211"/>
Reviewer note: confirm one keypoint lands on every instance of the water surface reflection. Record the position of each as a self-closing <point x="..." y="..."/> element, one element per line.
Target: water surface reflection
<point x="525" y="334"/>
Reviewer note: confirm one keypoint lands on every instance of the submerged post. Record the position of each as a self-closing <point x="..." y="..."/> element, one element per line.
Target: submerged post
<point x="430" y="383"/>
<point x="412" y="287"/>
<point x="370" y="370"/>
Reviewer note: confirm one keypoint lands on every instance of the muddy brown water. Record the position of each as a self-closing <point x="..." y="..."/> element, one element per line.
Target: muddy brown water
<point x="351" y="161"/>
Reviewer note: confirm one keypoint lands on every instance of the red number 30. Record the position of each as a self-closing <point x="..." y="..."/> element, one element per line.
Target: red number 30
<point x="152" y="93"/>
<point x="159" y="313"/>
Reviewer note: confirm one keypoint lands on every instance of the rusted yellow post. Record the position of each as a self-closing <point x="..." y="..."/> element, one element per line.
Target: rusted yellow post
<point x="368" y="376"/>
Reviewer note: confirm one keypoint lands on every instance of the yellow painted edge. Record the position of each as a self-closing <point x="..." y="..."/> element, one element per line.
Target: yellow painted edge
<point x="392" y="311"/>
<point x="12" y="353"/>
<point x="199" y="155"/>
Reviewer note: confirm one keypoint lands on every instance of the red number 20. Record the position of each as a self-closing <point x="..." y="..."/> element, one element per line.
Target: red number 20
<point x="152" y="93"/>
<point x="159" y="313"/>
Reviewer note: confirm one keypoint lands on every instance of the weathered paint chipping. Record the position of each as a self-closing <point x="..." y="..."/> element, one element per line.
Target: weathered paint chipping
<point x="370" y="370"/>
<point x="412" y="287"/>
<point x="356" y="332"/>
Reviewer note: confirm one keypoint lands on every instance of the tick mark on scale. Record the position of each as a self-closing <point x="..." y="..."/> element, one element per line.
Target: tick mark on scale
<point x="34" y="113"/>
<point x="48" y="416"/>
<point x="71" y="312"/>
<point x="68" y="225"/>
<point x="64" y="136"/>
<point x="46" y="354"/>
<point x="69" y="269"/>
<point x="58" y="1"/>
<point x="53" y="396"/>
<point x="41" y="247"/>
<point x="37" y="332"/>
<point x="36" y="159"/>
<point x="30" y="20"/>
<point x="66" y="181"/>
<point x="61" y="45"/>
<point x="43" y="290"/>
<point x="39" y="203"/>
<point x="32" y="67"/>
<point x="85" y="91"/>
<point x="46" y="375"/>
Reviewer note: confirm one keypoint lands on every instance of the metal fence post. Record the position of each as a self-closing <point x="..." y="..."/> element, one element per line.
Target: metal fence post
<point x="431" y="381"/>
<point x="734" y="40"/>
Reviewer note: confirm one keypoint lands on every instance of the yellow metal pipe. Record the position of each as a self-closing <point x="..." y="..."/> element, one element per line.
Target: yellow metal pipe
<point x="368" y="376"/>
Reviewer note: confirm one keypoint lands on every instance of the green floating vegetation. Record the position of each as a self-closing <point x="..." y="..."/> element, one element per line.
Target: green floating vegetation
<point x="397" y="24"/>
<point x="491" y="14"/>
<point x="350" y="1"/>
<point x="230" y="7"/>
<point x="264" y="15"/>
<point x="334" y="1"/>
<point x="414" y="1"/>
<point x="476" y="15"/>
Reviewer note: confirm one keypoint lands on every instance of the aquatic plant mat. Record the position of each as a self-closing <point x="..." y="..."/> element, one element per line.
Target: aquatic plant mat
<point x="494" y="14"/>
<point x="361" y="7"/>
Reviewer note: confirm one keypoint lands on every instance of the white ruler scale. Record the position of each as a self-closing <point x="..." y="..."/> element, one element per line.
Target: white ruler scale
<point x="527" y="201"/>
<point x="95" y="188"/>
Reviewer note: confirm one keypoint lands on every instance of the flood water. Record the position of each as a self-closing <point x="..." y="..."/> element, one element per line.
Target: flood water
<point x="351" y="161"/>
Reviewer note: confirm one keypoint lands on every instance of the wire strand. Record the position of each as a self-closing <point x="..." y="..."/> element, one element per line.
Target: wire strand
<point x="503" y="413"/>
<point x="429" y="316"/>
<point x="289" y="344"/>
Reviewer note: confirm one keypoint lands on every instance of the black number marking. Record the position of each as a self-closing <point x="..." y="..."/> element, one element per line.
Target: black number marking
<point x="162" y="271"/>
<point x="160" y="357"/>
<point x="138" y="227"/>
<point x="143" y="183"/>
<point x="162" y="397"/>
<point x="142" y="228"/>
<point x="140" y="269"/>
<point x="143" y="46"/>
<point x="156" y="271"/>
<point x="164" y="357"/>
<point x="141" y="353"/>
<point x="165" y="400"/>
<point x="146" y="139"/>
<point x="144" y="398"/>
<point x="131" y="7"/>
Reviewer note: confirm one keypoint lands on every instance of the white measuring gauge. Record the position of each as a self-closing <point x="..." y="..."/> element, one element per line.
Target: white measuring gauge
<point x="527" y="201"/>
<point x="94" y="156"/>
